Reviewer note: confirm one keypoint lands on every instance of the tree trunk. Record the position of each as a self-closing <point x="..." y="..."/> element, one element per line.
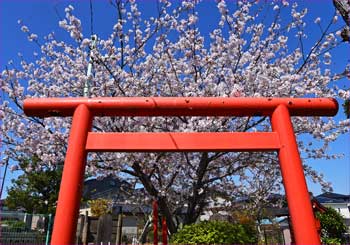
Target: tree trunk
<point x="196" y="202"/>
<point x="163" y="206"/>
<point x="162" y="202"/>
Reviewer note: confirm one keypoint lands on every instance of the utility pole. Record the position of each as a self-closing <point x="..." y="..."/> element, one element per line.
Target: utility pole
<point x="3" y="178"/>
<point x="89" y="70"/>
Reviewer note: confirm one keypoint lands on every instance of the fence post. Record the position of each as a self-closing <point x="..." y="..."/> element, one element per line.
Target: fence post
<point x="119" y="226"/>
<point x="48" y="230"/>
<point x="80" y="227"/>
<point x="84" y="236"/>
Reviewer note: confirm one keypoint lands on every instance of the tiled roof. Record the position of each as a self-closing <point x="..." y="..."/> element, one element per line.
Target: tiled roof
<point x="108" y="187"/>
<point x="329" y="197"/>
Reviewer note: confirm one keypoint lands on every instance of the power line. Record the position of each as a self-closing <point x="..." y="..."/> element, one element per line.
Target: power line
<point x="91" y="19"/>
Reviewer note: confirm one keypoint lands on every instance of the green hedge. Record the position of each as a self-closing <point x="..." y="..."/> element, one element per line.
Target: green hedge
<point x="332" y="227"/>
<point x="14" y="224"/>
<point x="218" y="232"/>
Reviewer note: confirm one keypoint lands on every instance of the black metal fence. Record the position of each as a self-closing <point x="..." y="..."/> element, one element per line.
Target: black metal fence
<point x="23" y="228"/>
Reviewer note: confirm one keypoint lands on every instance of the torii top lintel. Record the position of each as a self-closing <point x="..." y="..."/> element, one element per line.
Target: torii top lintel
<point x="180" y="106"/>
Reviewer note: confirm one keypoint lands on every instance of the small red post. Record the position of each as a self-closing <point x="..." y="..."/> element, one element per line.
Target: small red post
<point x="65" y="224"/>
<point x="155" y="222"/>
<point x="164" y="231"/>
<point x="297" y="194"/>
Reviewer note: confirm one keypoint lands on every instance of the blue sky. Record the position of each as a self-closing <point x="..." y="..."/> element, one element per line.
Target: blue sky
<point x="42" y="17"/>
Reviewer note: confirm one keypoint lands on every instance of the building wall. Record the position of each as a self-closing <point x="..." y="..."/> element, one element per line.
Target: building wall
<point x="342" y="208"/>
<point x="287" y="237"/>
<point x="216" y="204"/>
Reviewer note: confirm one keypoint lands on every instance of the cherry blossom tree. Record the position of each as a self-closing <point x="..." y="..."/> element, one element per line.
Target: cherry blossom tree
<point x="255" y="50"/>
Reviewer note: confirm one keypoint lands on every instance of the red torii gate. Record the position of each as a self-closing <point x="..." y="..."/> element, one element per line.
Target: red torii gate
<point x="281" y="139"/>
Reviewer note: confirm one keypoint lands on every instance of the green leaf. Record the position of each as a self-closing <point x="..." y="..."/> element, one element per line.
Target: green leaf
<point x="209" y="232"/>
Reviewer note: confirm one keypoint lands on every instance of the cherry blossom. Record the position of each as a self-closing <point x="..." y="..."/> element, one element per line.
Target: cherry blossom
<point x="168" y="55"/>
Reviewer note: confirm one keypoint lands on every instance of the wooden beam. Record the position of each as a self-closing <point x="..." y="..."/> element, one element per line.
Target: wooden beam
<point x="179" y="142"/>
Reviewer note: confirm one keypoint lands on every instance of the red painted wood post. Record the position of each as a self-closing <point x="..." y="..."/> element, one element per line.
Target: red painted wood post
<point x="67" y="211"/>
<point x="164" y="231"/>
<point x="299" y="203"/>
<point x="155" y="222"/>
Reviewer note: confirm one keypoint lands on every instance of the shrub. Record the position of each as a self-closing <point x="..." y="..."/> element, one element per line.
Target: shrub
<point x="100" y="206"/>
<point x="332" y="226"/>
<point x="14" y="224"/>
<point x="219" y="232"/>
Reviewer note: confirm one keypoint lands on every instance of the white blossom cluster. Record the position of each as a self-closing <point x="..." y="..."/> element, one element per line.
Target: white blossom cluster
<point x="245" y="55"/>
